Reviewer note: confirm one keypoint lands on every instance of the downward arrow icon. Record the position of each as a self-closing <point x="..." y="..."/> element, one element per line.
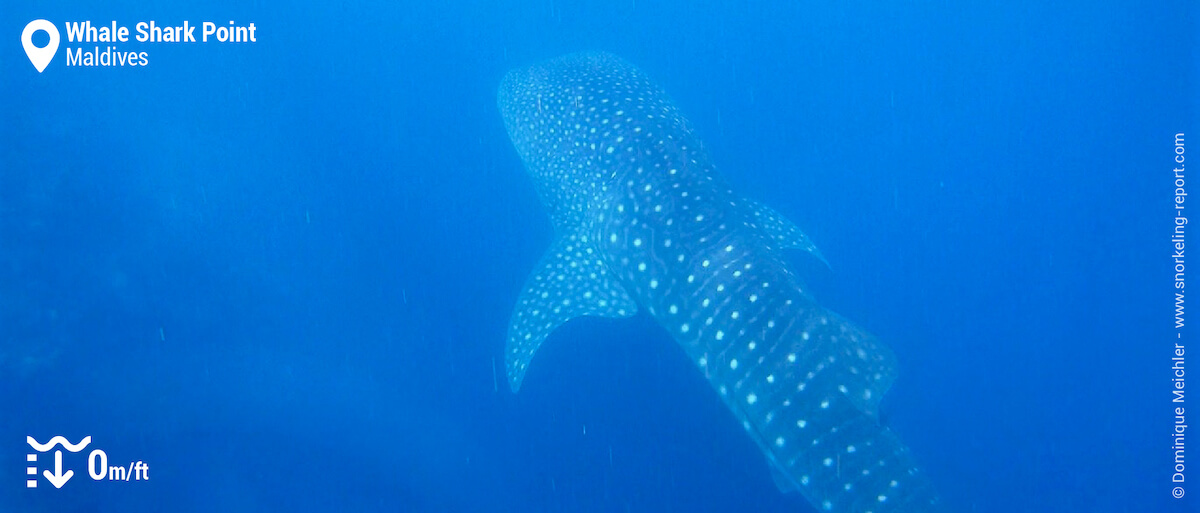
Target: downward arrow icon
<point x="58" y="478"/>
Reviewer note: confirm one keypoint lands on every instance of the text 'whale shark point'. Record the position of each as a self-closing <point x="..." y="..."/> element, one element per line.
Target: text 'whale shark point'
<point x="644" y="223"/>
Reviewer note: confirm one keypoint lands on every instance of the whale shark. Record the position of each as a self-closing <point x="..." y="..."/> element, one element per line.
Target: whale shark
<point x="644" y="224"/>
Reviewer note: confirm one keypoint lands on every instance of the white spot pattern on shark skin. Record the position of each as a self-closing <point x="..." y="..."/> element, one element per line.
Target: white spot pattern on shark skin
<point x="617" y="166"/>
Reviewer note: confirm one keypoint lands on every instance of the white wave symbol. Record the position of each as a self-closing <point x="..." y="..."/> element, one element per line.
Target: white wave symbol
<point x="58" y="440"/>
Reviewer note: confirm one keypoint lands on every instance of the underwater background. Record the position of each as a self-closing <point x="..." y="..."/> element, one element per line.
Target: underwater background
<point x="280" y="273"/>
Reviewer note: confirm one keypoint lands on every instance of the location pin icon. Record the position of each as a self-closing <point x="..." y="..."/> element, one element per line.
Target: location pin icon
<point x="40" y="57"/>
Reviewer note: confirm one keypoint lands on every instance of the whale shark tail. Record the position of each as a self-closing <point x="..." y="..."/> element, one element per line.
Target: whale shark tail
<point x="813" y="410"/>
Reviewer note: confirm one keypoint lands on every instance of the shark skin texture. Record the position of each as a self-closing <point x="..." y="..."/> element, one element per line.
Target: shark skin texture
<point x="645" y="224"/>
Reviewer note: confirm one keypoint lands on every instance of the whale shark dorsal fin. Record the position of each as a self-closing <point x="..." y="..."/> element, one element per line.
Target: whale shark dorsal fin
<point x="570" y="281"/>
<point x="781" y="230"/>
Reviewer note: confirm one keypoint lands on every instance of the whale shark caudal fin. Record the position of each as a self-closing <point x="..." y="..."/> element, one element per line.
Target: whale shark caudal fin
<point x="570" y="281"/>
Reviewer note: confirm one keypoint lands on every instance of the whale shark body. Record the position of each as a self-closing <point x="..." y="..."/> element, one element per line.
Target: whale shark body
<point x="645" y="224"/>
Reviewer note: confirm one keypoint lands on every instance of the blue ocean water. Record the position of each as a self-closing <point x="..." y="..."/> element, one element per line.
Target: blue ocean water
<point x="280" y="273"/>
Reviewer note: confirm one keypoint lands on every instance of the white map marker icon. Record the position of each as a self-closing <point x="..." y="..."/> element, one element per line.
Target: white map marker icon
<point x="40" y="57"/>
